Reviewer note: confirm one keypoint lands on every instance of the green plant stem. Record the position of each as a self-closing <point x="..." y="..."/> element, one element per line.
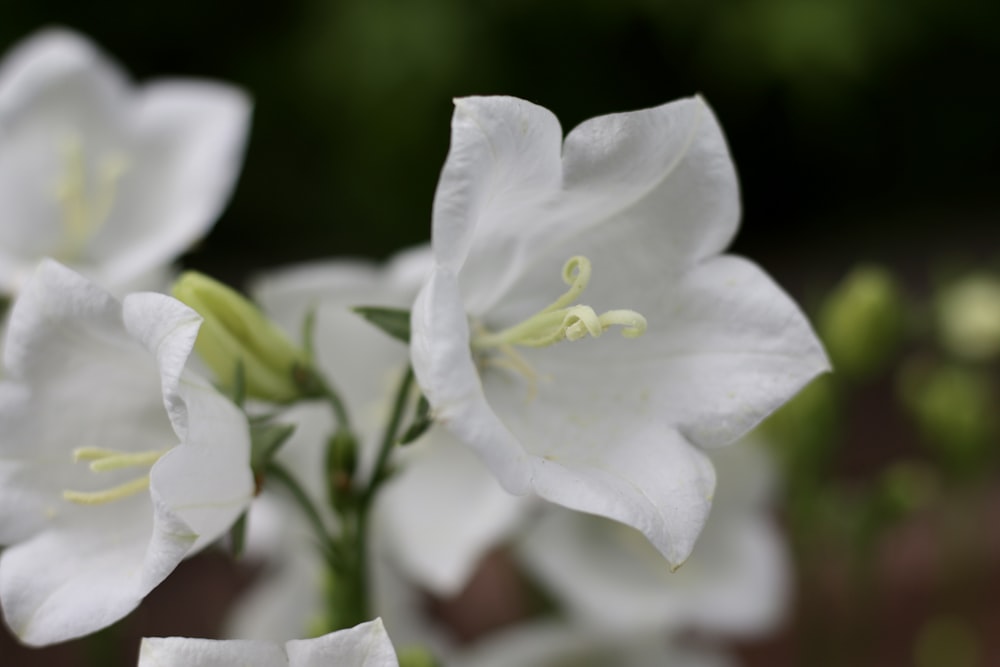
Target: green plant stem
<point x="355" y="591"/>
<point x="278" y="473"/>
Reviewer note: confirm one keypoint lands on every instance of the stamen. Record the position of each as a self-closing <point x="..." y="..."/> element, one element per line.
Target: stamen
<point x="561" y="321"/>
<point x="84" y="211"/>
<point x="104" y="460"/>
<point x="108" y="495"/>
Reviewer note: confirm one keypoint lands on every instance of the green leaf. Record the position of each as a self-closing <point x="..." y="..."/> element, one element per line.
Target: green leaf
<point x="422" y="421"/>
<point x="393" y="321"/>
<point x="265" y="440"/>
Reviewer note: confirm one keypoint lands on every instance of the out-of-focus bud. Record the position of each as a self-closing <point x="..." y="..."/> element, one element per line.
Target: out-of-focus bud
<point x="862" y="321"/>
<point x="968" y="317"/>
<point x="803" y="431"/>
<point x="955" y="410"/>
<point x="236" y="332"/>
<point x="416" y="656"/>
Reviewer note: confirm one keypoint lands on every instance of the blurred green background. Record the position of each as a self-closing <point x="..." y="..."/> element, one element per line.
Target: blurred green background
<point x="860" y="129"/>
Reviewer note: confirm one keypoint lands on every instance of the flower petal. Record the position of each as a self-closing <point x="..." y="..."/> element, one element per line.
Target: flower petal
<point x="668" y="165"/>
<point x="191" y="652"/>
<point x="504" y="161"/>
<point x="79" y="577"/>
<point x="443" y="511"/>
<point x="442" y="363"/>
<point x="188" y="141"/>
<point x="364" y="645"/>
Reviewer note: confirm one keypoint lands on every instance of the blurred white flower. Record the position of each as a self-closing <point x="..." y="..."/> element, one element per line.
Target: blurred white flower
<point x="632" y="210"/>
<point x="441" y="511"/>
<point x="113" y="180"/>
<point x="364" y="645"/>
<point x="736" y="582"/>
<point x="115" y="461"/>
<point x="552" y="644"/>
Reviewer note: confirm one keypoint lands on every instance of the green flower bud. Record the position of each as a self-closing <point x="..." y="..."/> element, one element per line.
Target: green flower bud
<point x="862" y="320"/>
<point x="236" y="332"/>
<point x="954" y="408"/>
<point x="968" y="317"/>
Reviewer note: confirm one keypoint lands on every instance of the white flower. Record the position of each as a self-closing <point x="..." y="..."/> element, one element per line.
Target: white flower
<point x="365" y="645"/>
<point x="443" y="510"/>
<point x="736" y="582"/>
<point x="115" y="462"/>
<point x="552" y="644"/>
<point x="113" y="180"/>
<point x="631" y="211"/>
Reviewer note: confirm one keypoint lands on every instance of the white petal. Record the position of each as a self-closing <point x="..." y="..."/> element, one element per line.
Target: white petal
<point x="442" y="363"/>
<point x="75" y="579"/>
<point x="503" y="164"/>
<point x="443" y="511"/>
<point x="55" y="88"/>
<point x="364" y="645"/>
<point x="188" y="146"/>
<point x="632" y="466"/>
<point x="668" y="166"/>
<point x="552" y="644"/>
<point x="190" y="652"/>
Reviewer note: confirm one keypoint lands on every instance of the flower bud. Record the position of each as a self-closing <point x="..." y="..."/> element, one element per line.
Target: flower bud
<point x="236" y="332"/>
<point x="954" y="409"/>
<point x="968" y="317"/>
<point x="861" y="321"/>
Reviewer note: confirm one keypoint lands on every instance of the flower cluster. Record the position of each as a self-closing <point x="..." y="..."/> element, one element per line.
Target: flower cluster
<point x="553" y="384"/>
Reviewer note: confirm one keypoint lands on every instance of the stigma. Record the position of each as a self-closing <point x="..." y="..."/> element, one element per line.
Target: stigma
<point x="562" y="320"/>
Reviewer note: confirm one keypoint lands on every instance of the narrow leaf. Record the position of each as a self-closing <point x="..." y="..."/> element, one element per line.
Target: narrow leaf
<point x="393" y="321"/>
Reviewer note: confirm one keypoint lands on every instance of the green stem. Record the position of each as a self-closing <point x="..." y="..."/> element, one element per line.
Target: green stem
<point x="278" y="473"/>
<point x="356" y="532"/>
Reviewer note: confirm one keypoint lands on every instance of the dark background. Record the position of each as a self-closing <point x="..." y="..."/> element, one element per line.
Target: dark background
<point x="861" y="130"/>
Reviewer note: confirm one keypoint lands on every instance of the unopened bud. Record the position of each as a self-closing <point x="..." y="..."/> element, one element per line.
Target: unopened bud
<point x="861" y="322"/>
<point x="968" y="317"/>
<point x="235" y="332"/>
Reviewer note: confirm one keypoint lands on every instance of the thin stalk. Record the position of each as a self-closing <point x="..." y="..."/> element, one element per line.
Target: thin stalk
<point x="277" y="472"/>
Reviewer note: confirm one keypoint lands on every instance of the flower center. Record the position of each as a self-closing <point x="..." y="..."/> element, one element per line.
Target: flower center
<point x="558" y="321"/>
<point x="561" y="321"/>
<point x="85" y="202"/>
<point x="106" y="460"/>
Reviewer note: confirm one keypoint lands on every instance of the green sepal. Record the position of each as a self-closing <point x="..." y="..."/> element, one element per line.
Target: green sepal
<point x="393" y="321"/>
<point x="266" y="440"/>
<point x="422" y="421"/>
